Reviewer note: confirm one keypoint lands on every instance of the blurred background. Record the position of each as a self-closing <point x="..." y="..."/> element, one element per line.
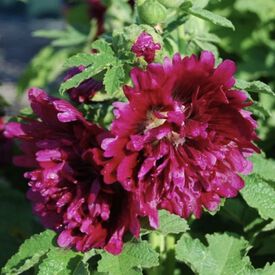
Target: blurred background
<point x="18" y="20"/>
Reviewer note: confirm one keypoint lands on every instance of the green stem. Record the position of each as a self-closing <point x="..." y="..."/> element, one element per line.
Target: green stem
<point x="170" y="263"/>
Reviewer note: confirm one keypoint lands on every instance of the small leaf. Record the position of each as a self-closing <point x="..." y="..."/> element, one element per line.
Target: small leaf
<point x="134" y="254"/>
<point x="30" y="253"/>
<point x="260" y="194"/>
<point x="170" y="223"/>
<point x="211" y="17"/>
<point x="112" y="79"/>
<point x="254" y="87"/>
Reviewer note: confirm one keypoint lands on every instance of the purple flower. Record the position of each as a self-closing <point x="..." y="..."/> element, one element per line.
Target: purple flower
<point x="183" y="138"/>
<point x="86" y="90"/>
<point x="66" y="188"/>
<point x="145" y="46"/>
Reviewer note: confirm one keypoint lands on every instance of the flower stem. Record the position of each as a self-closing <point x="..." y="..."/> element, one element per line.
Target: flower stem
<point x="170" y="262"/>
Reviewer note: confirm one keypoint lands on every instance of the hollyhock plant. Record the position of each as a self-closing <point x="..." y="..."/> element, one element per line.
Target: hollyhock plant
<point x="145" y="47"/>
<point x="86" y="90"/>
<point x="66" y="188"/>
<point x="183" y="138"/>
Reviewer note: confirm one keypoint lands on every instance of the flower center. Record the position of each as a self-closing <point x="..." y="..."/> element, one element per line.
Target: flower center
<point x="155" y="119"/>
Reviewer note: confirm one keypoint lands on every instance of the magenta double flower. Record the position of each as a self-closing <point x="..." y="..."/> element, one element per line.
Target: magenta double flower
<point x="180" y="143"/>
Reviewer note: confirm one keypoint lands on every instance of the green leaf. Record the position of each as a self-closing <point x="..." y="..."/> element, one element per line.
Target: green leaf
<point x="211" y="17"/>
<point x="263" y="167"/>
<point x="112" y="79"/>
<point x="254" y="87"/>
<point x="59" y="261"/>
<point x="94" y="63"/>
<point x="83" y="59"/>
<point x="77" y="79"/>
<point x="103" y="47"/>
<point x="259" y="110"/>
<point x="81" y="269"/>
<point x="224" y="255"/>
<point x="170" y="223"/>
<point x="260" y="194"/>
<point x="30" y="253"/>
<point x="134" y="254"/>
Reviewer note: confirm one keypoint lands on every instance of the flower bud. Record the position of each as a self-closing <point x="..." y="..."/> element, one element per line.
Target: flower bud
<point x="152" y="12"/>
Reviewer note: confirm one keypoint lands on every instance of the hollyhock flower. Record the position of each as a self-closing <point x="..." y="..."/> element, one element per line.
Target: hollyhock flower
<point x="183" y="138"/>
<point x="86" y="90"/>
<point x="145" y="46"/>
<point x="66" y="188"/>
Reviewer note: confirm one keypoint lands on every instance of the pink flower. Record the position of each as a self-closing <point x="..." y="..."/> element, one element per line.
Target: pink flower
<point x="66" y="188"/>
<point x="86" y="90"/>
<point x="183" y="138"/>
<point x="145" y="46"/>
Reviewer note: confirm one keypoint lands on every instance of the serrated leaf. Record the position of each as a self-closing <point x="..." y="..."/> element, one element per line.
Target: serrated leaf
<point x="259" y="110"/>
<point x="103" y="47"/>
<point x="83" y="59"/>
<point x="60" y="261"/>
<point x="268" y="270"/>
<point x="254" y="87"/>
<point x="211" y="17"/>
<point x="30" y="253"/>
<point x="112" y="79"/>
<point x="77" y="79"/>
<point x="259" y="193"/>
<point x="134" y="254"/>
<point x="170" y="223"/>
<point x="224" y="255"/>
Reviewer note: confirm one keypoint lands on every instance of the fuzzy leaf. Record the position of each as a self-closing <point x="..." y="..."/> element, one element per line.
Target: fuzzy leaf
<point x="30" y="253"/>
<point x="260" y="194"/>
<point x="224" y="255"/>
<point x="134" y="254"/>
<point x="211" y="17"/>
<point x="61" y="262"/>
<point x="254" y="87"/>
<point x="112" y="79"/>
<point x="170" y="223"/>
<point x="263" y="167"/>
